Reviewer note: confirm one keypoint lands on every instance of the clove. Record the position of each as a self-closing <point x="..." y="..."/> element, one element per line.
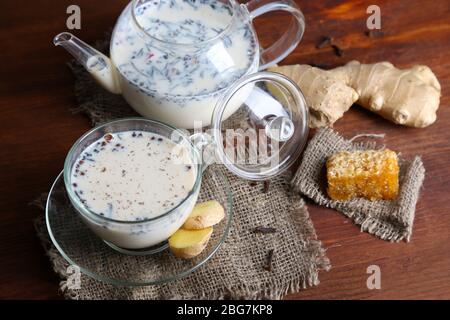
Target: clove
<point x="264" y="230"/>
<point x="325" y="41"/>
<point x="270" y="255"/>
<point x="266" y="186"/>
<point x="337" y="51"/>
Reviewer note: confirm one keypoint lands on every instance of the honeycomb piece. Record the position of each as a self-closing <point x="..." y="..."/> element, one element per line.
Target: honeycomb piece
<point x="371" y="174"/>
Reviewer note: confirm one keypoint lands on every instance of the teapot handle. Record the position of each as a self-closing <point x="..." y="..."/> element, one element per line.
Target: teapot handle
<point x="289" y="40"/>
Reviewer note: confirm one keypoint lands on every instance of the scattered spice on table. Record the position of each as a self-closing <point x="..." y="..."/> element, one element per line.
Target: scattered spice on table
<point x="374" y="33"/>
<point x="325" y="41"/>
<point x="337" y="51"/>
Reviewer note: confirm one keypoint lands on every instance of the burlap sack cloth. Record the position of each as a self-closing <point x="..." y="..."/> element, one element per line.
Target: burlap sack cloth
<point x="237" y="269"/>
<point x="389" y="220"/>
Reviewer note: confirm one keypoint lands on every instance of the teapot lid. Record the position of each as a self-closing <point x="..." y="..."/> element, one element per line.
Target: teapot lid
<point x="260" y="125"/>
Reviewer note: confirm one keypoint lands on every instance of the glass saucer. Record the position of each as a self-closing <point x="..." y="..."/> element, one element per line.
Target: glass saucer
<point x="98" y="260"/>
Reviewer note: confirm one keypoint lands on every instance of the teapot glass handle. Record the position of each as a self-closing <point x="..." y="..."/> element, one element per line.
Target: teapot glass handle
<point x="289" y="40"/>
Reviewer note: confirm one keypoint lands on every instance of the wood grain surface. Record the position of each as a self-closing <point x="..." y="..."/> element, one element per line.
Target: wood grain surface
<point x="37" y="129"/>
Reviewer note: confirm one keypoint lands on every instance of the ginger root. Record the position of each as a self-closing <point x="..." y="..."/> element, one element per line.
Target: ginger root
<point x="409" y="97"/>
<point x="327" y="97"/>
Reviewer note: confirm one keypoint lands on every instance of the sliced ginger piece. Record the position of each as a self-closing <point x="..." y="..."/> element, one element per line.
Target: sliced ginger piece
<point x="188" y="244"/>
<point x="205" y="214"/>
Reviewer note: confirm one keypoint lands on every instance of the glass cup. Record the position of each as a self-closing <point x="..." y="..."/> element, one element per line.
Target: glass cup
<point x="133" y="234"/>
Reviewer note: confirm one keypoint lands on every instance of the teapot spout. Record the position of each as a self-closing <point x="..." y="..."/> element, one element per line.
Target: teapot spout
<point x="95" y="62"/>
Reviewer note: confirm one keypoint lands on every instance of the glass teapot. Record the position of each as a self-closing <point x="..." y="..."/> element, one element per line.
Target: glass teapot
<point x="172" y="60"/>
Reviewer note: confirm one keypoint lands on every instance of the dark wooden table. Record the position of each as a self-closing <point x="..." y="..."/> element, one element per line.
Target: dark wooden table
<point x="37" y="129"/>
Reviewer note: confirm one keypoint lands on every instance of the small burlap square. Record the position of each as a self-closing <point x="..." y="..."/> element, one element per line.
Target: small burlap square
<point x="389" y="220"/>
<point x="237" y="270"/>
